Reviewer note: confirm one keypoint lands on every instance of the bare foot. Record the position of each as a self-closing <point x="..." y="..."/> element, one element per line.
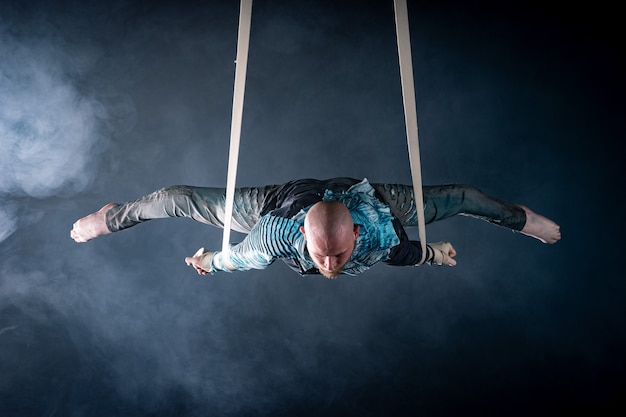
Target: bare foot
<point x="91" y="226"/>
<point x="540" y="227"/>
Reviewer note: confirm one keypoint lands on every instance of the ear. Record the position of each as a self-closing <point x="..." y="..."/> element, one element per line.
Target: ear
<point x="356" y="231"/>
<point x="302" y="231"/>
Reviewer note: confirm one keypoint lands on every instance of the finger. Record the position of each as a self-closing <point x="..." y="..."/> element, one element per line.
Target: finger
<point x="199" y="252"/>
<point x="192" y="261"/>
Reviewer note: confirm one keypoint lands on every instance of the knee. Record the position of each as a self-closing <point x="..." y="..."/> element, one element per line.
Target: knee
<point x="458" y="192"/>
<point x="441" y="202"/>
<point x="174" y="197"/>
<point x="177" y="190"/>
<point x="467" y="191"/>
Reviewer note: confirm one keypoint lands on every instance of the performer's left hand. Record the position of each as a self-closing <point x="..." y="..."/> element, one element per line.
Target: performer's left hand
<point x="444" y="252"/>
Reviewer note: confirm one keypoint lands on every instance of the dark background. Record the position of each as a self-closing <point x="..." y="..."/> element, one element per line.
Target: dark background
<point x="107" y="101"/>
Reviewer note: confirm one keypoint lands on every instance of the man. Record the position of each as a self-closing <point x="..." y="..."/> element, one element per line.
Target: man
<point x="335" y="226"/>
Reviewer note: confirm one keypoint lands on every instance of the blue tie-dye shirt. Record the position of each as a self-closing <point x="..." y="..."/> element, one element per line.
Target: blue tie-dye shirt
<point x="276" y="237"/>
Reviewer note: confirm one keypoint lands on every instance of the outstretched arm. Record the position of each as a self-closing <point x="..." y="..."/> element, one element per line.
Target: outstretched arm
<point x="272" y="238"/>
<point x="206" y="262"/>
<point x="409" y="253"/>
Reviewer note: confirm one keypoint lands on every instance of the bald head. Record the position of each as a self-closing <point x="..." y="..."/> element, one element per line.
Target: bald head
<point x="328" y="220"/>
<point x="330" y="235"/>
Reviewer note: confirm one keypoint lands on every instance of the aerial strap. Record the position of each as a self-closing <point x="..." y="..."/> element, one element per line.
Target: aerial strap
<point x="241" y="64"/>
<point x="410" y="114"/>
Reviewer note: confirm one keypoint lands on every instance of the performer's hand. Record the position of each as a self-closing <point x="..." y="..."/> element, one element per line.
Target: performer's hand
<point x="444" y="252"/>
<point x="199" y="261"/>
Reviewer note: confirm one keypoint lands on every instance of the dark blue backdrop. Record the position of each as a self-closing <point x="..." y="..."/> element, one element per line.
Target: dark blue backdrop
<point x="107" y="101"/>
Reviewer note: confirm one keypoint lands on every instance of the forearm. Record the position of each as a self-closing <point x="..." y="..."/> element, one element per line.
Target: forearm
<point x="271" y="238"/>
<point x="233" y="261"/>
<point x="409" y="252"/>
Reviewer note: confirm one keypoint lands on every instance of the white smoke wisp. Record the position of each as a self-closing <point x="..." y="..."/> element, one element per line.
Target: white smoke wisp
<point x="8" y="222"/>
<point x="48" y="129"/>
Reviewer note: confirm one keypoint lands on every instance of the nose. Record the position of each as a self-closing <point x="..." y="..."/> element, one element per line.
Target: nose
<point x="330" y="263"/>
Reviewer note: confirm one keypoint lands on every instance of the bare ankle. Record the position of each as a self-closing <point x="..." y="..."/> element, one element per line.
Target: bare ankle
<point x="540" y="227"/>
<point x="91" y="226"/>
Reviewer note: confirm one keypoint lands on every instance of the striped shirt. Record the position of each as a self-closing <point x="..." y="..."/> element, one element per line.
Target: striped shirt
<point x="275" y="237"/>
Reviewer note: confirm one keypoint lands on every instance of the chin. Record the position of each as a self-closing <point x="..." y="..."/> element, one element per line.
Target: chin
<point x="330" y="274"/>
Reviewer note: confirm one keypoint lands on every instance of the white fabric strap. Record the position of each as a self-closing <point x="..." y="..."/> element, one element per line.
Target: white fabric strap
<point x="410" y="114"/>
<point x="243" y="40"/>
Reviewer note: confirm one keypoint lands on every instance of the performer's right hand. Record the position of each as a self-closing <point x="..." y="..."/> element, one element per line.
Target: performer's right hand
<point x="199" y="261"/>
